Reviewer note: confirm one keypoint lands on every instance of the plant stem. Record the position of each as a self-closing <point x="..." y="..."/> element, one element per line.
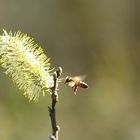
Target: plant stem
<point x="52" y="109"/>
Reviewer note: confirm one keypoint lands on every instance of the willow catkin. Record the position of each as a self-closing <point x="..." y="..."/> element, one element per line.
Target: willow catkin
<point x="25" y="62"/>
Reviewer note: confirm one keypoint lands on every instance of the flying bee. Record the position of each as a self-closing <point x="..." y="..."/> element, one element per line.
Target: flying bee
<point x="75" y="83"/>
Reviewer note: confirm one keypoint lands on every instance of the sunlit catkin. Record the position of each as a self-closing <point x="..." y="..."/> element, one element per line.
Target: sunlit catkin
<point x="25" y="62"/>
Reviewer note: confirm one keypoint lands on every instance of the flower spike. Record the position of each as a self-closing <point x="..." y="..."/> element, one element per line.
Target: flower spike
<point x="26" y="63"/>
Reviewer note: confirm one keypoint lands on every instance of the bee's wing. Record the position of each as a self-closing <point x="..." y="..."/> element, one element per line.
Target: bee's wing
<point x="81" y="77"/>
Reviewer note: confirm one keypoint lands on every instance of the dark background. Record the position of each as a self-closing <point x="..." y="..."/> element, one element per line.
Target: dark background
<point x="97" y="38"/>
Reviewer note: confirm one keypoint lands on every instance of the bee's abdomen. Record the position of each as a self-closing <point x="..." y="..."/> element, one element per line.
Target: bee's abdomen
<point x="83" y="84"/>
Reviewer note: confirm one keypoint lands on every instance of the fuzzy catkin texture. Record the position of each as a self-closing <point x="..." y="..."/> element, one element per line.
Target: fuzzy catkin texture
<point x="26" y="63"/>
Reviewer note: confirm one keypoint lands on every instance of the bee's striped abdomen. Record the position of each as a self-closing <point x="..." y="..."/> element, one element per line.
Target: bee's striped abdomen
<point x="83" y="84"/>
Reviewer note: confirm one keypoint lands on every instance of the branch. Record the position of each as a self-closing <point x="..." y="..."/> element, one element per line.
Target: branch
<point x="52" y="110"/>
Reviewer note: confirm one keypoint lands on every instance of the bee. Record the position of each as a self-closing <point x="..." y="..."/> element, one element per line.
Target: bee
<point x="75" y="83"/>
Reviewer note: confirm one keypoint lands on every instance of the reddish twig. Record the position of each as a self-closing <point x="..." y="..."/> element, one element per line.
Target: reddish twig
<point x="52" y="109"/>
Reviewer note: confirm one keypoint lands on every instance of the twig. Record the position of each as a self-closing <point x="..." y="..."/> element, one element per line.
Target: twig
<point x="52" y="110"/>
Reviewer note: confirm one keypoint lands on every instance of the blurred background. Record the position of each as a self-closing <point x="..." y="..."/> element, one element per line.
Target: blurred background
<point x="97" y="38"/>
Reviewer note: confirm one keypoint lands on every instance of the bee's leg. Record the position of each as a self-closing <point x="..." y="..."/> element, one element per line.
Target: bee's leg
<point x="74" y="89"/>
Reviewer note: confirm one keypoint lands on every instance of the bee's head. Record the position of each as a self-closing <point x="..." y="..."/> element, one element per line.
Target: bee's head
<point x="67" y="79"/>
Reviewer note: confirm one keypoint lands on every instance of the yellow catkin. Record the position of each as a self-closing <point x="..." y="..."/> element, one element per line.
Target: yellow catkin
<point x="25" y="62"/>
